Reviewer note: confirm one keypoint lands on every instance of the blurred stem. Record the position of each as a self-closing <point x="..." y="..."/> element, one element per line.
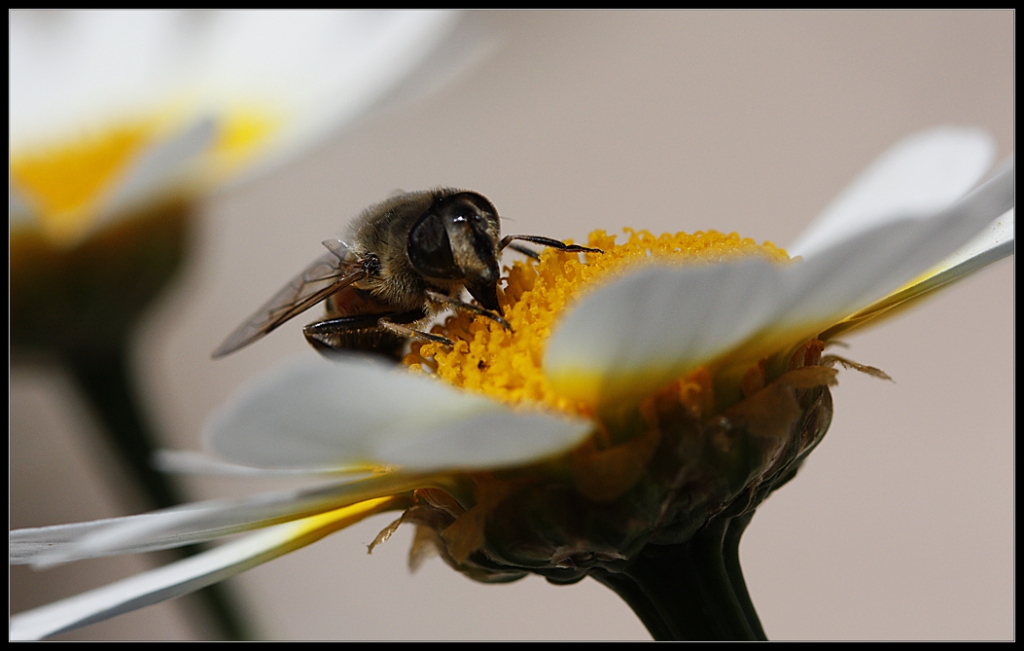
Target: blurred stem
<point x="82" y="303"/>
<point x="693" y="590"/>
<point x="103" y="376"/>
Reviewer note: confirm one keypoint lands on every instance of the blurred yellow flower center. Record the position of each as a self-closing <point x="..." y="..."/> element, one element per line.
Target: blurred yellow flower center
<point x="66" y="182"/>
<point x="242" y="135"/>
<point x="63" y="181"/>
<point x="506" y="365"/>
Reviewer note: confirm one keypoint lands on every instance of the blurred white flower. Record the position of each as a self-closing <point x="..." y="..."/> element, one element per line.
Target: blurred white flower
<point x="111" y="110"/>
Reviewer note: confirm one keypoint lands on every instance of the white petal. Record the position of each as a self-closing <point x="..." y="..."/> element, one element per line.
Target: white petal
<point x="320" y="69"/>
<point x="302" y="72"/>
<point x="194" y="523"/>
<point x="75" y="70"/>
<point x="637" y="333"/>
<point x="356" y="412"/>
<point x="920" y="175"/>
<point x="849" y="276"/>
<point x="27" y="545"/>
<point x="181" y="577"/>
<point x="993" y="244"/>
<point x="160" y="166"/>
<point x="188" y="462"/>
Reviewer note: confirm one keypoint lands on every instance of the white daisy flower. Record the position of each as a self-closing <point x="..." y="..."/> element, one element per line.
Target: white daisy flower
<point x="645" y="402"/>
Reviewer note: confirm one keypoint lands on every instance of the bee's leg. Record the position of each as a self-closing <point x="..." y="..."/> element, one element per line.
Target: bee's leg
<point x="546" y="241"/>
<point x="409" y="333"/>
<point x="376" y="333"/>
<point x="455" y="303"/>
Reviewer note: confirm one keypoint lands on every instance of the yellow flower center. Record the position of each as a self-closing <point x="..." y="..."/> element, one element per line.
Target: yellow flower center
<point x="507" y="365"/>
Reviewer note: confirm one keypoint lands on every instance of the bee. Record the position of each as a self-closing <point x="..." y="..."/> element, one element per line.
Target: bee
<point x="404" y="260"/>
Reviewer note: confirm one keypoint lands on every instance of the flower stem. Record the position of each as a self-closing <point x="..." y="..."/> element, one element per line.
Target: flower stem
<point x="693" y="590"/>
<point x="102" y="374"/>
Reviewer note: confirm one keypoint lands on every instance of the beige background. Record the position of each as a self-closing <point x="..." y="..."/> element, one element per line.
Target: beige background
<point x="901" y="523"/>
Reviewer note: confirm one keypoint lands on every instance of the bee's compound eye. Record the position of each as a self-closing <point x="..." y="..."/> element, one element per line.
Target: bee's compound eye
<point x="429" y="250"/>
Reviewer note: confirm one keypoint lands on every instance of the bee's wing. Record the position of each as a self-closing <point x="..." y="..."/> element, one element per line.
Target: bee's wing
<point x="327" y="274"/>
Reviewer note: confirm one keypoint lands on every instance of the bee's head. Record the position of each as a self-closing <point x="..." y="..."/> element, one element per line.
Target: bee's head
<point x="457" y="239"/>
